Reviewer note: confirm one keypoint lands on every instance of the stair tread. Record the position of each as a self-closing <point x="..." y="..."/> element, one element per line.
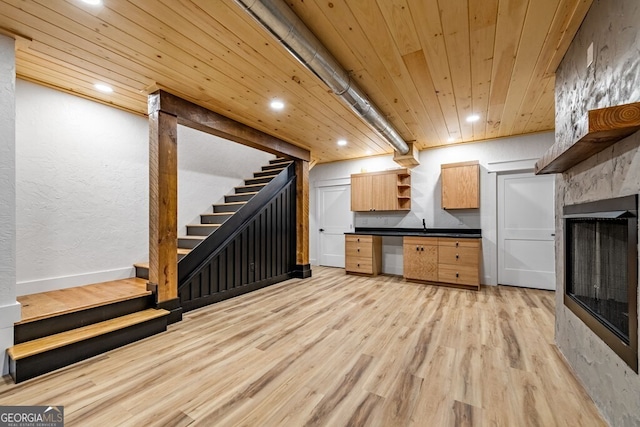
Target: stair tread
<point x="204" y="225"/>
<point x="251" y="185"/>
<point x="41" y="345"/>
<point x="181" y="251"/>
<point x="230" y="203"/>
<point x="217" y="213"/>
<point x="192" y="237"/>
<point x="69" y="300"/>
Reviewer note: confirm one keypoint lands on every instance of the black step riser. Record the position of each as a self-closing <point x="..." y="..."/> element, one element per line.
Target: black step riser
<point x="261" y="180"/>
<point x="238" y="198"/>
<point x="226" y="208"/>
<point x="39" y="364"/>
<point x="142" y="273"/>
<point x="274" y="166"/>
<point x="66" y="322"/>
<point x="188" y="243"/>
<point x="278" y="160"/>
<point x="200" y="231"/>
<point x="214" y="219"/>
<point x="267" y="172"/>
<point x="252" y="189"/>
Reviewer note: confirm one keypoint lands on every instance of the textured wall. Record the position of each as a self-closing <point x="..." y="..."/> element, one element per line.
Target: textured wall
<point x="82" y="187"/>
<point x="426" y="193"/>
<point x="9" y="309"/>
<point x="613" y="79"/>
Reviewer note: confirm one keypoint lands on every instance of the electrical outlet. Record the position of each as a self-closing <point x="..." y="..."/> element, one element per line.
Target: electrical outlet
<point x="590" y="55"/>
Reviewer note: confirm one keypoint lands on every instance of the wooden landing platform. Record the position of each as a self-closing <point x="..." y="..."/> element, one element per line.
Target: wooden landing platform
<point x="55" y="303"/>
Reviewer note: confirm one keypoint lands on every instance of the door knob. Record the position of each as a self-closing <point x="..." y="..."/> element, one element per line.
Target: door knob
<point x="321" y="230"/>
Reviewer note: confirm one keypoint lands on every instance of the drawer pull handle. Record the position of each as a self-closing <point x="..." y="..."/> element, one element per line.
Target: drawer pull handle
<point x="457" y="244"/>
<point x="417" y="248"/>
<point x="358" y="249"/>
<point x="422" y="248"/>
<point x="358" y="240"/>
<point x="359" y="266"/>
<point x="457" y="256"/>
<point x="457" y="275"/>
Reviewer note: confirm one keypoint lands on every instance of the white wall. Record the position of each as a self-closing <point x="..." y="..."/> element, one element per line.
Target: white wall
<point x="9" y="308"/>
<point x="208" y="168"/>
<point x="82" y="187"/>
<point x="499" y="154"/>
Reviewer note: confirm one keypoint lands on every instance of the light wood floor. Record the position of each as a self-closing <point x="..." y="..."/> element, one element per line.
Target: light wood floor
<point x="333" y="350"/>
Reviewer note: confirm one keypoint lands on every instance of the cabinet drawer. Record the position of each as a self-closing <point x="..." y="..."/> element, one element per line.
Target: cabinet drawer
<point x="459" y="243"/>
<point x="458" y="256"/>
<point x="362" y="249"/>
<point x="359" y="265"/>
<point x="462" y="275"/>
<point x="420" y="241"/>
<point x="357" y="238"/>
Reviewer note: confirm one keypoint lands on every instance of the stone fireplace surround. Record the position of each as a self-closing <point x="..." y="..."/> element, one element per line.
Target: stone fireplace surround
<point x="613" y="26"/>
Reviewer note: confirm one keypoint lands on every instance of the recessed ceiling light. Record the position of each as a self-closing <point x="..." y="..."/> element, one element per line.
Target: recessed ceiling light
<point x="473" y="118"/>
<point x="342" y="142"/>
<point x="368" y="152"/>
<point x="93" y="2"/>
<point x="103" y="87"/>
<point x="451" y="139"/>
<point x="277" y="104"/>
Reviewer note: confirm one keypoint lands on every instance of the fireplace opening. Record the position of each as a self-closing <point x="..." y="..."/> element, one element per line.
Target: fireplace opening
<point x="601" y="271"/>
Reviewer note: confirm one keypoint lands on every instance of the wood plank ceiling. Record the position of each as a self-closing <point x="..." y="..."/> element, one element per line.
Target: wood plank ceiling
<point x="427" y="64"/>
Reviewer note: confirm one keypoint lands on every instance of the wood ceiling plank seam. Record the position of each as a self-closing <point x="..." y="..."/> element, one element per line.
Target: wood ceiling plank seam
<point x="432" y="40"/>
<point x="456" y="38"/>
<point x="416" y="64"/>
<point x="111" y="77"/>
<point x="511" y="15"/>
<point x="341" y="18"/>
<point x="370" y="18"/>
<point x="482" y="33"/>
<point x="400" y="25"/>
<point x="246" y="75"/>
<point x="354" y="121"/>
<point x="79" y="79"/>
<point x="539" y="15"/>
<point x="538" y="83"/>
<point x="578" y="15"/>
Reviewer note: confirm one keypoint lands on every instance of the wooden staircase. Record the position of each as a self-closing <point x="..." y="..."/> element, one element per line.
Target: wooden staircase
<point x="62" y="327"/>
<point x="209" y="222"/>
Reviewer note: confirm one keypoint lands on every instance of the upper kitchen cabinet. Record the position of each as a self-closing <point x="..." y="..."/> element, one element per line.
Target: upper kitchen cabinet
<point x="381" y="191"/>
<point x="461" y="185"/>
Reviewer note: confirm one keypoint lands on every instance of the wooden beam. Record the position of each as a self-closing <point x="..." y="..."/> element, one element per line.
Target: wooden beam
<point x="163" y="203"/>
<point x="197" y="117"/>
<point x="606" y="127"/>
<point x="303" y="269"/>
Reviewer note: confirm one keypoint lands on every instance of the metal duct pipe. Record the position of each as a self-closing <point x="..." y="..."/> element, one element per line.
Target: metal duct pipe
<point x="292" y="33"/>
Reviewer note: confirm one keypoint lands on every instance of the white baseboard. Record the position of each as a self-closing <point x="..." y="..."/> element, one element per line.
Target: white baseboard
<point x="54" y="283"/>
<point x="9" y="314"/>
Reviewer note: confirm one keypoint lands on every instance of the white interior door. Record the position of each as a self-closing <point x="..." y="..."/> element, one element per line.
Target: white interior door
<point x="334" y="219"/>
<point x="526" y="227"/>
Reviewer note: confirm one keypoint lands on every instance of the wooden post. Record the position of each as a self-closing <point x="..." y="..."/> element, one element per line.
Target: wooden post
<point x="163" y="209"/>
<point x="303" y="268"/>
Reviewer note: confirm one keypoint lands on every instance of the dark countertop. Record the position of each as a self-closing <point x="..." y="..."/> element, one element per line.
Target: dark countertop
<point x="458" y="233"/>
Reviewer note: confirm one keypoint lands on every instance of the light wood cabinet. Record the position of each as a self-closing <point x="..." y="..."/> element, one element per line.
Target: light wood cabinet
<point x="363" y="254"/>
<point x="459" y="261"/>
<point x="420" y="258"/>
<point x="460" y="185"/>
<point x="381" y="191"/>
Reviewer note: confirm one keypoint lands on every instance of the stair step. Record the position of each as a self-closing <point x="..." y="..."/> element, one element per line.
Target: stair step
<point x="142" y="268"/>
<point x="279" y="160"/>
<point x="261" y="180"/>
<point x="267" y="172"/>
<point x="249" y="188"/>
<point x="276" y="165"/>
<point x="216" y="217"/>
<point x="201" y="229"/>
<point x="242" y="197"/>
<point x="42" y="355"/>
<point x="189" y="242"/>
<point x="228" y="207"/>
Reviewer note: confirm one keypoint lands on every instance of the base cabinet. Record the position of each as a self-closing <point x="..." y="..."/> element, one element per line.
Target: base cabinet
<point x="363" y="254"/>
<point x="420" y="255"/>
<point x="442" y="260"/>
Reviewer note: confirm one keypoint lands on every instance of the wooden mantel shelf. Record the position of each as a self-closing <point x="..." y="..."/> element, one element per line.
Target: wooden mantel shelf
<point x="606" y="127"/>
